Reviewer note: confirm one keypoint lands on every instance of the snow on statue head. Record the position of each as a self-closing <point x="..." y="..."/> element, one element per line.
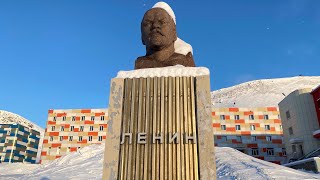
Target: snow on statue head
<point x="158" y="34"/>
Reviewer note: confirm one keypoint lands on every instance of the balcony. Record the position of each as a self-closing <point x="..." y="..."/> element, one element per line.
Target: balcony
<point x="295" y="141"/>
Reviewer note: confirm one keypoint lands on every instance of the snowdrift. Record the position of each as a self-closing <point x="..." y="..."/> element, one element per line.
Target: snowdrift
<point x="87" y="164"/>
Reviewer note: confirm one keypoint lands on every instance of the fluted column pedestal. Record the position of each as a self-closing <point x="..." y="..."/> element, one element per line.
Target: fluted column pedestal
<point x="160" y="125"/>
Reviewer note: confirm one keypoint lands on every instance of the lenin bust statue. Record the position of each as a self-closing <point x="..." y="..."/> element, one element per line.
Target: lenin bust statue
<point x="159" y="35"/>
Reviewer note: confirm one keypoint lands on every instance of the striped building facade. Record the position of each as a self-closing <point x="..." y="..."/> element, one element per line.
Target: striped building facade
<point x="253" y="131"/>
<point x="18" y="143"/>
<point x="68" y="130"/>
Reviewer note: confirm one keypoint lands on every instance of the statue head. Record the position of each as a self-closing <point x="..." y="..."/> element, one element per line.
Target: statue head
<point x="159" y="35"/>
<point x="158" y="30"/>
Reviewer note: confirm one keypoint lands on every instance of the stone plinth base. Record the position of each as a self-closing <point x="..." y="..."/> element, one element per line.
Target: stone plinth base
<point x="160" y="125"/>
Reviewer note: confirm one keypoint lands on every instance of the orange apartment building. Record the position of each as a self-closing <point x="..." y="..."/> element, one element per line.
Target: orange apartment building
<point x="253" y="131"/>
<point x="68" y="130"/>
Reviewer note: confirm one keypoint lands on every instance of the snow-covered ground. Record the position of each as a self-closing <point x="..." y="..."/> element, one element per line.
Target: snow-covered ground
<point x="261" y="93"/>
<point x="87" y="164"/>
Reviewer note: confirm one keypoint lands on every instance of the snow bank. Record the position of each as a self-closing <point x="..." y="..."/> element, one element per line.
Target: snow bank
<point x="232" y="164"/>
<point x="87" y="164"/>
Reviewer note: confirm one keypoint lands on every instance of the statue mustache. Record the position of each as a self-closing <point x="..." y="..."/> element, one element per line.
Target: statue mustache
<point x="156" y="31"/>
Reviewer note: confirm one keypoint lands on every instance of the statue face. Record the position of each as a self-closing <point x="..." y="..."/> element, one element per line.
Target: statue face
<point x="158" y="29"/>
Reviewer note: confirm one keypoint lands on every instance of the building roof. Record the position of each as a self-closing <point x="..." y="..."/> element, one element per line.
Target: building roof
<point x="315" y="89"/>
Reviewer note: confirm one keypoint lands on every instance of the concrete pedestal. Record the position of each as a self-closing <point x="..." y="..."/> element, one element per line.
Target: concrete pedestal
<point x="160" y="126"/>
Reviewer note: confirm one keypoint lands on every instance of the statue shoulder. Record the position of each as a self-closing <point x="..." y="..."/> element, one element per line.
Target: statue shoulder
<point x="185" y="60"/>
<point x="143" y="62"/>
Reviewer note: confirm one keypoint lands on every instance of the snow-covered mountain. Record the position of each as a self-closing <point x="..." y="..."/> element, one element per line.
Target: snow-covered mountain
<point x="261" y="93"/>
<point x="88" y="162"/>
<point x="12" y="118"/>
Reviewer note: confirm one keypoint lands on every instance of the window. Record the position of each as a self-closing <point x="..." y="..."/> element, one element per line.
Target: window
<point x="253" y="138"/>
<point x="236" y="117"/>
<point x="80" y="138"/>
<point x="58" y="150"/>
<point x="267" y="127"/>
<point x="239" y="138"/>
<point x="78" y="149"/>
<point x="223" y="127"/>
<point x="92" y="118"/>
<point x="91" y="128"/>
<point x="81" y="128"/>
<point x="252" y="127"/>
<point x="61" y="138"/>
<point x="224" y="138"/>
<point x="284" y="152"/>
<point x="290" y="131"/>
<point x="268" y="138"/>
<point x="53" y="128"/>
<point x="270" y="152"/>
<point x="266" y="117"/>
<point x="68" y="149"/>
<point x="49" y="151"/>
<point x="51" y="138"/>
<point x="3" y="157"/>
<point x="102" y="118"/>
<point x="73" y="118"/>
<point x="288" y="114"/>
<point x="62" y="128"/>
<point x="255" y="151"/>
<point x="54" y="118"/>
<point x="71" y="128"/>
<point x="238" y="127"/>
<point x="251" y="117"/>
<point x="90" y="138"/>
<point x="100" y="138"/>
<point x="63" y="118"/>
<point x="70" y="138"/>
<point x="222" y="117"/>
<point x="101" y="128"/>
<point x="83" y="118"/>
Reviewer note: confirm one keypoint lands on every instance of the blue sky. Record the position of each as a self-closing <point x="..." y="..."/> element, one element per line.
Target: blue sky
<point x="62" y="54"/>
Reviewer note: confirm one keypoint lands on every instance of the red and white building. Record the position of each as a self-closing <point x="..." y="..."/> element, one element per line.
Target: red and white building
<point x="316" y="98"/>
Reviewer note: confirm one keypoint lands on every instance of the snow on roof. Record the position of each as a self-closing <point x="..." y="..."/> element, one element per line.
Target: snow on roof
<point x="315" y="89"/>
